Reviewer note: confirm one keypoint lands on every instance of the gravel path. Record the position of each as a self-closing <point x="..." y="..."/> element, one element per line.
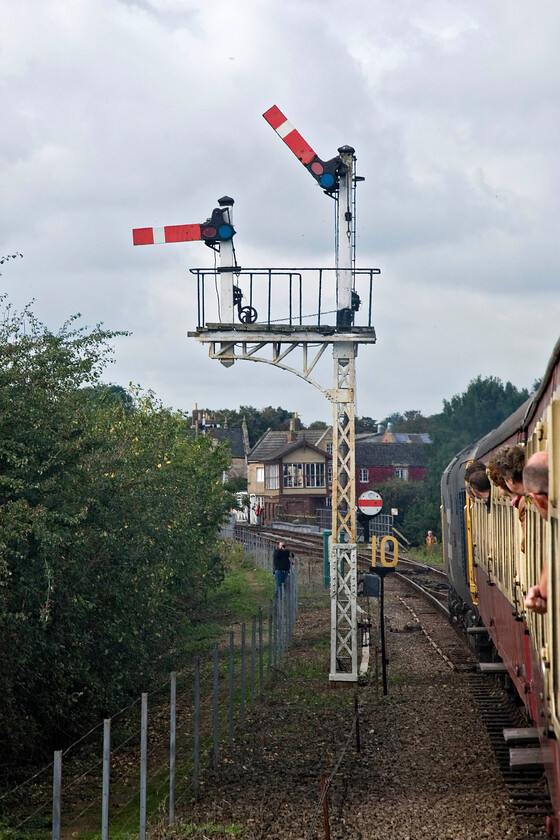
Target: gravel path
<point x="425" y="770"/>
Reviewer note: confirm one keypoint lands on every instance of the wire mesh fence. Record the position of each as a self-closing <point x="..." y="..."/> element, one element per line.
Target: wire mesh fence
<point x="151" y="752"/>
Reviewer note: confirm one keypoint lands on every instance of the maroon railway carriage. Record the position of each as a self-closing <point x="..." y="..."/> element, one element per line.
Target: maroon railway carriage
<point x="490" y="575"/>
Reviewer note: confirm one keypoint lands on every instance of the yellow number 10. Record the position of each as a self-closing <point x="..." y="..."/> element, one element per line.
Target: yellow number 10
<point x="384" y="562"/>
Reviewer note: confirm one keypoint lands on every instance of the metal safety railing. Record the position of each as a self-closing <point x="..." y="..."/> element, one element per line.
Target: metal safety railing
<point x="302" y="297"/>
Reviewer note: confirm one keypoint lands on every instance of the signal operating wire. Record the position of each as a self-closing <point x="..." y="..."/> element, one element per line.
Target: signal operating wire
<point x="334" y="771"/>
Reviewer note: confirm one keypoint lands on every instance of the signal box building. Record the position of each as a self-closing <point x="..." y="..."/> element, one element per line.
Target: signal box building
<point x="290" y="472"/>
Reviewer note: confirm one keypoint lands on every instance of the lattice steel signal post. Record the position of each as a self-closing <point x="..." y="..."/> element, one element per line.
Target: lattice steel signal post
<point x="276" y="336"/>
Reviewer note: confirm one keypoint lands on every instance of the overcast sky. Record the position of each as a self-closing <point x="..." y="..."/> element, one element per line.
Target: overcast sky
<point x="121" y="114"/>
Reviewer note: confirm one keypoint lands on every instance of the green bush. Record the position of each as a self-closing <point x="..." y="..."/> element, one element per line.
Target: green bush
<point x="109" y="515"/>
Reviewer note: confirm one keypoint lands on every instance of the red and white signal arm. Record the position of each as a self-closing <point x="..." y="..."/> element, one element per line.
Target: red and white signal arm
<point x="370" y="503"/>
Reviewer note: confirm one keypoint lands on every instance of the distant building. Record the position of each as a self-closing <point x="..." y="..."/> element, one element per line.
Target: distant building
<point x="385" y="455"/>
<point x="290" y="472"/>
<point x="238" y="440"/>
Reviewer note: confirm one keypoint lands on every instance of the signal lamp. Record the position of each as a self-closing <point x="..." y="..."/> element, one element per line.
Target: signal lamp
<point x="327" y="173"/>
<point x="216" y="228"/>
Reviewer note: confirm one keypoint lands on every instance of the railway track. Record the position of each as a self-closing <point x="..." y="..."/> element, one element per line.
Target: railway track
<point x="422" y="590"/>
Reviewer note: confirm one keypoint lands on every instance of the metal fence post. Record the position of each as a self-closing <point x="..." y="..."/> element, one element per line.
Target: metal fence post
<point x="295" y="593"/>
<point x="289" y="605"/>
<point x="172" y="747"/>
<point x="282" y="605"/>
<point x="253" y="658"/>
<point x="260" y="651"/>
<point x="270" y="635"/>
<point x="196" y="762"/>
<point x="275" y="628"/>
<point x="143" y="764"/>
<point x="242" y="705"/>
<point x="231" y="681"/>
<point x="106" y="772"/>
<point x="215" y="710"/>
<point x="57" y="782"/>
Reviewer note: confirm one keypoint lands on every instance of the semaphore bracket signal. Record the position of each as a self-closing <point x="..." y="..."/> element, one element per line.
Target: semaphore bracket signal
<point x="286" y="327"/>
<point x="326" y="173"/>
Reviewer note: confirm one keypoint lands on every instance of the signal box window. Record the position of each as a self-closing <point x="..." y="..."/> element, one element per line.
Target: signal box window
<point x="315" y="475"/>
<point x="293" y="475"/>
<point x="260" y="475"/>
<point x="364" y="476"/>
<point x="402" y="473"/>
<point x="272" y="477"/>
<point x="329" y="448"/>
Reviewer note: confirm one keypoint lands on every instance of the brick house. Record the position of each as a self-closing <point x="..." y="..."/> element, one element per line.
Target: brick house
<point x="289" y="473"/>
<point x="389" y="455"/>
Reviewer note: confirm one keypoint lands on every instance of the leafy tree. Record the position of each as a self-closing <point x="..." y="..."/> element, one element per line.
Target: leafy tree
<point x="109" y="513"/>
<point x="9" y="257"/>
<point x="464" y="419"/>
<point x="413" y="421"/>
<point x="396" y="419"/>
<point x="365" y="424"/>
<point x="258" y="421"/>
<point x="237" y="484"/>
<point x="409" y="498"/>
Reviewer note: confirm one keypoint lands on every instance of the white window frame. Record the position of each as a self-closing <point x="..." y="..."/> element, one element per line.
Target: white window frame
<point x="259" y="475"/>
<point x="401" y="473"/>
<point x="315" y="474"/>
<point x="293" y="475"/>
<point x="364" y="475"/>
<point x="272" y="477"/>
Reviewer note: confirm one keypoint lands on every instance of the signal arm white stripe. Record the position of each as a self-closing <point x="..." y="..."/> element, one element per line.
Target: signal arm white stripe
<point x="159" y="236"/>
<point x="284" y="129"/>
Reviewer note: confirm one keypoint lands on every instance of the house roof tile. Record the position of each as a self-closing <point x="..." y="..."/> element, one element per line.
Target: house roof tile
<point x="369" y="454"/>
<point x="273" y="445"/>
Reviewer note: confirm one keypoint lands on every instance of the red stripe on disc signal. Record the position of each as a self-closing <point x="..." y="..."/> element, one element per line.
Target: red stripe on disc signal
<point x="370" y="503"/>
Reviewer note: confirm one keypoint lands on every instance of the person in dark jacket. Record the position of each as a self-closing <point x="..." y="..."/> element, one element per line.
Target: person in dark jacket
<point x="282" y="559"/>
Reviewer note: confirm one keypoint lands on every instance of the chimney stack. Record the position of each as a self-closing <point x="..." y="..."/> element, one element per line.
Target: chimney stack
<point x="291" y="434"/>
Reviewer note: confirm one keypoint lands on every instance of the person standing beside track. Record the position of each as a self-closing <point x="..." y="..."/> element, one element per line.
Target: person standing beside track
<point x="431" y="539"/>
<point x="282" y="559"/>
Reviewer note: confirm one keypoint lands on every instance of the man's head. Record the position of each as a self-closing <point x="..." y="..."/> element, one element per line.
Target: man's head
<point x="281" y="544"/>
<point x="535" y="481"/>
<point x="478" y="481"/>
<point x="473" y="467"/>
<point x="509" y="462"/>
